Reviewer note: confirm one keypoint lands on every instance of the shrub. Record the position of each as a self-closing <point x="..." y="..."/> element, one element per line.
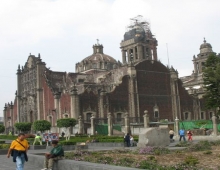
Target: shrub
<point x="67" y="143"/>
<point x="23" y="126"/>
<point x="191" y="160"/>
<point x="4" y="146"/>
<point x="160" y="150"/>
<point x="41" y="125"/>
<point x="2" y="128"/>
<point x="146" y="150"/>
<point x="201" y="146"/>
<point x="2" y="142"/>
<point x="182" y="144"/>
<point x="208" y="152"/>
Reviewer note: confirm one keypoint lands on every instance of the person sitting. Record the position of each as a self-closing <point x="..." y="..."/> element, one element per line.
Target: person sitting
<point x="62" y="134"/>
<point x="171" y="133"/>
<point x="131" y="141"/>
<point x="37" y="139"/>
<point x="57" y="153"/>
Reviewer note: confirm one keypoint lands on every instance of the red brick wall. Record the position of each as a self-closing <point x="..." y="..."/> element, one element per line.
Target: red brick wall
<point x="48" y="100"/>
<point x="65" y="103"/>
<point x="154" y="88"/>
<point x="186" y="101"/>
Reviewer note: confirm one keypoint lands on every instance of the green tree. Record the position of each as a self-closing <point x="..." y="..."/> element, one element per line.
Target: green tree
<point x="2" y="128"/>
<point x="211" y="78"/>
<point x="23" y="126"/>
<point x="41" y="125"/>
<point x="67" y="122"/>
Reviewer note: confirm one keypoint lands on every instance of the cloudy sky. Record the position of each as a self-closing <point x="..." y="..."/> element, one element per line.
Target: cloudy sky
<point x="63" y="32"/>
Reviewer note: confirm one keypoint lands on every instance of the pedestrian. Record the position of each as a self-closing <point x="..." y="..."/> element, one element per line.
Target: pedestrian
<point x="189" y="133"/>
<point x="37" y="139"/>
<point x="127" y="140"/>
<point x="57" y="153"/>
<point x="182" y="134"/>
<point x="171" y="133"/>
<point x="18" y="150"/>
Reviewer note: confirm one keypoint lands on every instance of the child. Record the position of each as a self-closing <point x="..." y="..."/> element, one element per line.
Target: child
<point x="189" y="133"/>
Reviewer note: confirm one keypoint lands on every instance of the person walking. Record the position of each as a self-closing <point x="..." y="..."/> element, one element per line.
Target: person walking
<point x="38" y="139"/>
<point x="182" y="134"/>
<point x="189" y="133"/>
<point x="127" y="140"/>
<point x="57" y="153"/>
<point x="18" y="150"/>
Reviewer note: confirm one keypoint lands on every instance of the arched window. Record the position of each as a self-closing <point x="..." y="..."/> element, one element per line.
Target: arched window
<point x="186" y="116"/>
<point x="31" y="116"/>
<point x="51" y="120"/>
<point x="119" y="117"/>
<point x="210" y="115"/>
<point x="88" y="116"/>
<point x="156" y="111"/>
<point x="202" y="115"/>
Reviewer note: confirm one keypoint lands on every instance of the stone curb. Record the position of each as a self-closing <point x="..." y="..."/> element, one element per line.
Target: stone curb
<point x="76" y="165"/>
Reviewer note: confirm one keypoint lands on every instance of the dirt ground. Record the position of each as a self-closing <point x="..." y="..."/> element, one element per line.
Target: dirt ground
<point x="206" y="161"/>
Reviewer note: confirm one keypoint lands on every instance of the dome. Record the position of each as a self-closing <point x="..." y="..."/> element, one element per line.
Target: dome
<point x="137" y="32"/>
<point x="99" y="57"/>
<point x="205" y="47"/>
<point x="98" y="61"/>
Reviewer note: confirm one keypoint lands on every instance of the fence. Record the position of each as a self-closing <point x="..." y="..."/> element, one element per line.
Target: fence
<point x="197" y="124"/>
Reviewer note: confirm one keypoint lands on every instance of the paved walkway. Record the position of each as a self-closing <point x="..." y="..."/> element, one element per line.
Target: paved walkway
<point x="8" y="164"/>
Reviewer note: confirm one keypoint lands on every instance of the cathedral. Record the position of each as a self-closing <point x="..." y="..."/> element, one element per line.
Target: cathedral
<point x="101" y="85"/>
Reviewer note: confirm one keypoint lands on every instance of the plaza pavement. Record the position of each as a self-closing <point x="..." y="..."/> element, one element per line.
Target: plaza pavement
<point x="8" y="164"/>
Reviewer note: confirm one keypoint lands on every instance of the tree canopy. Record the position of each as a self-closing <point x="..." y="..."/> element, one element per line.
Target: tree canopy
<point x="41" y="125"/>
<point x="66" y="122"/>
<point x="211" y="77"/>
<point x="23" y="126"/>
<point x="2" y="128"/>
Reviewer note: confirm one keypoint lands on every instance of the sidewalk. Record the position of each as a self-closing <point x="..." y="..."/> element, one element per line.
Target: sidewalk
<point x="8" y="164"/>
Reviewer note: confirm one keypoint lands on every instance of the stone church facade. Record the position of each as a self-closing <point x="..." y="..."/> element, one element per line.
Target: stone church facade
<point x="101" y="85"/>
<point x="194" y="82"/>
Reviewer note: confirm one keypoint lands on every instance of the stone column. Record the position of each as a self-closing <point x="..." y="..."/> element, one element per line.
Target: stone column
<point x="174" y="95"/>
<point x="134" y="55"/>
<point x="40" y="69"/>
<point x="123" y="56"/>
<point x="101" y="104"/>
<point x="140" y="52"/>
<point x="57" y="96"/>
<point x="215" y="125"/>
<point x="110" y="128"/>
<point x="155" y="53"/>
<point x="127" y="124"/>
<point x="11" y="115"/>
<point x="146" y="119"/>
<point x="92" y="125"/>
<point x="74" y="103"/>
<point x="18" y="94"/>
<point x="80" y="121"/>
<point x="5" y="115"/>
<point x="128" y="56"/>
<point x="131" y="91"/>
<point x="176" y="127"/>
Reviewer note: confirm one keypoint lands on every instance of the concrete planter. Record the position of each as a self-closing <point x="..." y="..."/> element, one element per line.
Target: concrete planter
<point x="3" y="151"/>
<point x="37" y="147"/>
<point x="105" y="144"/>
<point x="70" y="147"/>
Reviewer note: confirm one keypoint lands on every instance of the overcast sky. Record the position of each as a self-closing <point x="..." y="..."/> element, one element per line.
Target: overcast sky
<point x="63" y="32"/>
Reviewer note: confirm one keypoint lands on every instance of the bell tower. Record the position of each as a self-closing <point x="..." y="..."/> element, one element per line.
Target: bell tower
<point x="138" y="43"/>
